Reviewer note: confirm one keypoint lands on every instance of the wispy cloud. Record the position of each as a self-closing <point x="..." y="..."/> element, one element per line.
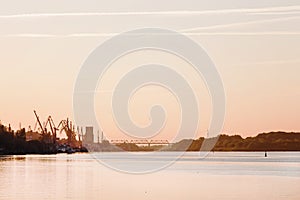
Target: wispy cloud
<point x="193" y="31"/>
<point x="177" y="12"/>
<point x="270" y="62"/>
<point x="86" y="35"/>
<point x="30" y="35"/>
<point x="278" y="33"/>
<point x="239" y="24"/>
<point x="41" y="35"/>
<point x="276" y="13"/>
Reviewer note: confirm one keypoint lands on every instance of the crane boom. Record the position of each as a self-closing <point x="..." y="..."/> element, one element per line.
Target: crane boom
<point x="53" y="129"/>
<point x="39" y="122"/>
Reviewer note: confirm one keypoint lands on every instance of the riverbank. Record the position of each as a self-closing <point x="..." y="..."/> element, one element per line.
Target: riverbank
<point x="15" y="143"/>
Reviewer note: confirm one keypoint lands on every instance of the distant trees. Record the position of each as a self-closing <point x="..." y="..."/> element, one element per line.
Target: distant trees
<point x="274" y="141"/>
<point x="15" y="143"/>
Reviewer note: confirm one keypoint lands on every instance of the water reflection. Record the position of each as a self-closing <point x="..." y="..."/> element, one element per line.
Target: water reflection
<point x="221" y="175"/>
<point x="10" y="158"/>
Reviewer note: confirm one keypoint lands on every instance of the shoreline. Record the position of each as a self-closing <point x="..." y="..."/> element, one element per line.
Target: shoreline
<point x="259" y="151"/>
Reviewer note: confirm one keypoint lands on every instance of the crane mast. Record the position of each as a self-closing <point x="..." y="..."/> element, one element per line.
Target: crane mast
<point x="52" y="128"/>
<point x="65" y="125"/>
<point x="39" y="122"/>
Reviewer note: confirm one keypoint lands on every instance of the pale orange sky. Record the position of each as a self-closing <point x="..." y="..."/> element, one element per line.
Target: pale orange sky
<point x="255" y="47"/>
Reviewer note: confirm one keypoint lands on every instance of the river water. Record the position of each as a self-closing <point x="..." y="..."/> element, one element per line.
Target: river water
<point x="221" y="175"/>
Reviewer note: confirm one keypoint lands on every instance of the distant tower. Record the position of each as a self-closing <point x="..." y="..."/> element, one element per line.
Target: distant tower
<point x="89" y="135"/>
<point x="78" y="132"/>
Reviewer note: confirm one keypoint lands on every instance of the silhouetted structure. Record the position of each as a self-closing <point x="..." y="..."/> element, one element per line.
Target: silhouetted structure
<point x="15" y="143"/>
<point x="89" y="135"/>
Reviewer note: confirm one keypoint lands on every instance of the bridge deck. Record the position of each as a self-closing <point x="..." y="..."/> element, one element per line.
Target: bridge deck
<point x="147" y="142"/>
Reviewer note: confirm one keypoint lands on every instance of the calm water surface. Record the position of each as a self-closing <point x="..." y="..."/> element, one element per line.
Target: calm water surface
<point x="220" y="176"/>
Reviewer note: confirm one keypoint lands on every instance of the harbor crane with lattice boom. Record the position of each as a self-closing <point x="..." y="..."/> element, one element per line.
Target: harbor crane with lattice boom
<point x="46" y="137"/>
<point x="66" y="125"/>
<point x="39" y="122"/>
<point x="52" y="128"/>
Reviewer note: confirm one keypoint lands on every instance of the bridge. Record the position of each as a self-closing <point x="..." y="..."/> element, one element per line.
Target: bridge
<point x="141" y="142"/>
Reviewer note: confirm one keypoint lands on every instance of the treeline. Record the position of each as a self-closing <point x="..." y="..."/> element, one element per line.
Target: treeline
<point x="273" y="141"/>
<point x="13" y="143"/>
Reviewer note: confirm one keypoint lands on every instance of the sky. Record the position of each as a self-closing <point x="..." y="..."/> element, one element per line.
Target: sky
<point x="255" y="46"/>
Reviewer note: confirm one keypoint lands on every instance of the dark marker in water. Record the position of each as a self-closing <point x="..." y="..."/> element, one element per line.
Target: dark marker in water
<point x="266" y="155"/>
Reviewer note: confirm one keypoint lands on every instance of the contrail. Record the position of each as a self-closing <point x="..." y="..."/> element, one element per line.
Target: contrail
<point x="271" y="62"/>
<point x="238" y="24"/>
<point x="189" y="31"/>
<point x="179" y="12"/>
<point x="229" y="33"/>
<point x="243" y="33"/>
<point x="41" y="35"/>
<point x="276" y="13"/>
<point x="30" y="35"/>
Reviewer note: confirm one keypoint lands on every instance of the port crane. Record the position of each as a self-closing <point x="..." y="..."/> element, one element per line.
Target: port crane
<point x="66" y="125"/>
<point x="39" y="122"/>
<point x="52" y="128"/>
<point x="46" y="137"/>
<point x="71" y="146"/>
